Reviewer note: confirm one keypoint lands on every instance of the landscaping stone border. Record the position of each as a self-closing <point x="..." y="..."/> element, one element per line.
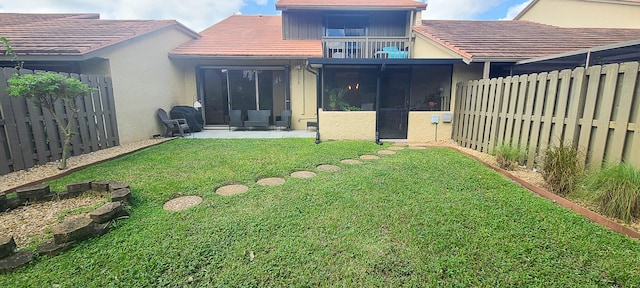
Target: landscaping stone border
<point x="66" y="234"/>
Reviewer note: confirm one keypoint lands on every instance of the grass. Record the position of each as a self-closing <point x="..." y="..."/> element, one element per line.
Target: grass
<point x="617" y="191"/>
<point x="419" y="218"/>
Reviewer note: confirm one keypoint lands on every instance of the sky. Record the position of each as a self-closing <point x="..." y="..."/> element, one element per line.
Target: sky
<point x="200" y="14"/>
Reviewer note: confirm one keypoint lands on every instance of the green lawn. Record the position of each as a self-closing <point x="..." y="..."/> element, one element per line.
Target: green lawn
<point x="419" y="218"/>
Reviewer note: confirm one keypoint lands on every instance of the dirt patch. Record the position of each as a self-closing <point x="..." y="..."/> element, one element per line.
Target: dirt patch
<point x="271" y="181"/>
<point x="182" y="203"/>
<point x="231" y="190"/>
<point x="303" y="174"/>
<point x="396" y="148"/>
<point x="369" y="157"/>
<point x="351" y="162"/>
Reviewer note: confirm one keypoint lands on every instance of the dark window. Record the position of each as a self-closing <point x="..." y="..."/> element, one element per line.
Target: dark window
<point x="346" y="26"/>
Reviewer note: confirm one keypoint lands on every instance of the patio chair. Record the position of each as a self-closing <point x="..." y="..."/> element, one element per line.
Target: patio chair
<point x="235" y="119"/>
<point x="392" y="52"/>
<point x="173" y="126"/>
<point x="285" y="120"/>
<point x="258" y="118"/>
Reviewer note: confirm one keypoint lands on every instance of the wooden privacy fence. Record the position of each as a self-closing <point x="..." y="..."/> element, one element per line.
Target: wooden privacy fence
<point x="29" y="136"/>
<point x="596" y="110"/>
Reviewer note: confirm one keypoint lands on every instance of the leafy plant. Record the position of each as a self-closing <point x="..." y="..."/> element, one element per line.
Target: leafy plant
<point x="44" y="89"/>
<point x="507" y="156"/>
<point x="563" y="168"/>
<point x="9" y="52"/>
<point x="336" y="98"/>
<point x="617" y="191"/>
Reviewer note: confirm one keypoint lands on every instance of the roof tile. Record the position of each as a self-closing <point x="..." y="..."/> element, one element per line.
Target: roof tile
<point x="71" y="34"/>
<point x="241" y="35"/>
<point x="517" y="39"/>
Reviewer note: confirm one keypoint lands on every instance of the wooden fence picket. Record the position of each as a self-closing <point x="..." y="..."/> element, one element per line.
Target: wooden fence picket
<point x="596" y="110"/>
<point x="623" y="117"/>
<point x="29" y="136"/>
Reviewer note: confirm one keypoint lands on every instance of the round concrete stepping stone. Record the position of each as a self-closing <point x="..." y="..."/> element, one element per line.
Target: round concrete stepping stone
<point x="182" y="203"/>
<point x="231" y="190"/>
<point x="417" y="147"/>
<point x="396" y="148"/>
<point x="328" y="168"/>
<point x="351" y="161"/>
<point x="271" y="181"/>
<point x="303" y="174"/>
<point x="386" y="152"/>
<point x="369" y="157"/>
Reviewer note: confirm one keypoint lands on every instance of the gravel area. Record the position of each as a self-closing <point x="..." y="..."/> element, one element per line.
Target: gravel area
<point x="30" y="224"/>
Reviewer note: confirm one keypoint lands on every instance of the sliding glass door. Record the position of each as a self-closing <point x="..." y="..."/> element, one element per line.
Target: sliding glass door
<point x="225" y="89"/>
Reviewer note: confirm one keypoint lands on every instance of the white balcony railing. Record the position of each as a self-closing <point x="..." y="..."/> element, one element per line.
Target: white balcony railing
<point x="366" y="47"/>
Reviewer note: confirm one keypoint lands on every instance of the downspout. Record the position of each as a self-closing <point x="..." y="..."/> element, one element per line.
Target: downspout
<point x="318" y="99"/>
<point x="382" y="68"/>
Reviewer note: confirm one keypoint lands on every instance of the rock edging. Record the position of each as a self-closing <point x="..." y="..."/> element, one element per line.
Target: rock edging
<point x="66" y="234"/>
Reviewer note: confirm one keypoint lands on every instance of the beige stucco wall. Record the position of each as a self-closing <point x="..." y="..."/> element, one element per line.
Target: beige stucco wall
<point x="144" y="79"/>
<point x="463" y="73"/>
<point x="587" y="14"/>
<point x="421" y="130"/>
<point x="342" y="125"/>
<point x="425" y="48"/>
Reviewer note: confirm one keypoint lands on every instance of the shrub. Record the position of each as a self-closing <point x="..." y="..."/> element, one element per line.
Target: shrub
<point x="562" y="169"/>
<point x="617" y="191"/>
<point x="507" y="156"/>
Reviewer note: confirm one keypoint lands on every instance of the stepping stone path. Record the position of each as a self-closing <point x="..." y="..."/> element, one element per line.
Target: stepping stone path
<point x="328" y="168"/>
<point x="369" y="157"/>
<point x="182" y="203"/>
<point x="351" y="162"/>
<point x="271" y="181"/>
<point x="386" y="152"/>
<point x="231" y="190"/>
<point x="396" y="148"/>
<point x="417" y="147"/>
<point x="303" y="174"/>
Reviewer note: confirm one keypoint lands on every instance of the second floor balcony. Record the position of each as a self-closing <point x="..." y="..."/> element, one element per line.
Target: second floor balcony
<point x="366" y="47"/>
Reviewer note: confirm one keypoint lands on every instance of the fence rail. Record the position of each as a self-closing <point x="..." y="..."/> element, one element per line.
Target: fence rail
<point x="29" y="136"/>
<point x="596" y="110"/>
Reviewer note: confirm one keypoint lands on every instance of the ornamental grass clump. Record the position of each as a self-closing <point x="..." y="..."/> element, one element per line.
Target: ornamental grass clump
<point x="507" y="156"/>
<point x="563" y="168"/>
<point x="617" y="191"/>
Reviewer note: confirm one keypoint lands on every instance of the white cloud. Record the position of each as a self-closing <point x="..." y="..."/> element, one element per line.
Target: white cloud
<point x="195" y="14"/>
<point x="457" y="9"/>
<point x="515" y="10"/>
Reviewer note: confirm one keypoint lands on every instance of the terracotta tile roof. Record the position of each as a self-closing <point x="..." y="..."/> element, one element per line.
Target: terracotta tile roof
<point x="517" y="39"/>
<point x="370" y="4"/>
<point x="72" y="34"/>
<point x="248" y="36"/>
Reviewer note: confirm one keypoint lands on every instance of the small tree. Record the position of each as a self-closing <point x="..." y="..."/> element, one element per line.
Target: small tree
<point x="44" y="89"/>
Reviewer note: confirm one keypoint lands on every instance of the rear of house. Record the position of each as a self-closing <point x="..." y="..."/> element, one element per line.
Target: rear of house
<point x="363" y="70"/>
